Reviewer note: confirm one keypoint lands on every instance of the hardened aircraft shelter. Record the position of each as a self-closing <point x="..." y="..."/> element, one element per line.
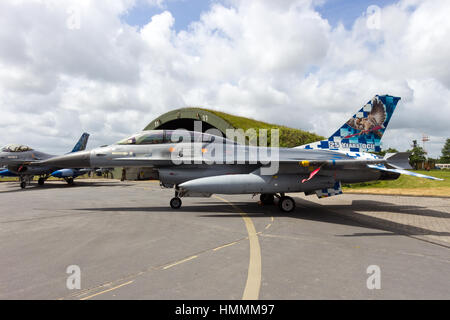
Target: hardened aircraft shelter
<point x="186" y="118"/>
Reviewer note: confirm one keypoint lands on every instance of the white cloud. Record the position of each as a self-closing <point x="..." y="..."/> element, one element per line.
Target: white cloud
<point x="277" y="61"/>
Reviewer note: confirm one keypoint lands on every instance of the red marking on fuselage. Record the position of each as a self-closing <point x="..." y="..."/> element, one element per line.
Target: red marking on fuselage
<point x="312" y="175"/>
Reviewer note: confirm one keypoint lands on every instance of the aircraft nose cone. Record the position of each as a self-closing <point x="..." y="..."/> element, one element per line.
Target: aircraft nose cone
<point x="81" y="159"/>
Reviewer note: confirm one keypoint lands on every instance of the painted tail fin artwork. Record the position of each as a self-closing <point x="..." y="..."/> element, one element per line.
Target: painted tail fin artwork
<point x="364" y="130"/>
<point x="81" y="144"/>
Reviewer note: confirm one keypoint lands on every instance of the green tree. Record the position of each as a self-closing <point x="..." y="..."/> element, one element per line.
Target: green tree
<point x="417" y="156"/>
<point x="445" y="158"/>
<point x="382" y="153"/>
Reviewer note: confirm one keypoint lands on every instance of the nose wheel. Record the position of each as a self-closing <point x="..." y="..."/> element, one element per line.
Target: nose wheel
<point x="175" y="203"/>
<point x="25" y="180"/>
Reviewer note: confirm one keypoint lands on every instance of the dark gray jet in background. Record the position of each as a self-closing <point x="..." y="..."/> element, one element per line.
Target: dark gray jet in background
<point x="19" y="161"/>
<point x="201" y="164"/>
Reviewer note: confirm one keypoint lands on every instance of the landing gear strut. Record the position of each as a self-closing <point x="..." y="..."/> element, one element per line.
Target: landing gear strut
<point x="42" y="180"/>
<point x="69" y="181"/>
<point x="285" y="203"/>
<point x="25" y="180"/>
<point x="176" y="202"/>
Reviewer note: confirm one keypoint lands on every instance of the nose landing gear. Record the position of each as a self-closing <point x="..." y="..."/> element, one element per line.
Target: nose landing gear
<point x="175" y="202"/>
<point x="25" y="180"/>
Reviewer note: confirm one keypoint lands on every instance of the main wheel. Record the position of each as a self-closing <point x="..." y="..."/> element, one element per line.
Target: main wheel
<point x="286" y="204"/>
<point x="41" y="181"/>
<point x="267" y="198"/>
<point x="23" y="184"/>
<point x="175" y="203"/>
<point x="70" y="181"/>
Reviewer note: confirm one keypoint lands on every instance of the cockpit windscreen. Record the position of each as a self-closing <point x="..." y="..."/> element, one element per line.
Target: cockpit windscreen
<point x="16" y="148"/>
<point x="168" y="136"/>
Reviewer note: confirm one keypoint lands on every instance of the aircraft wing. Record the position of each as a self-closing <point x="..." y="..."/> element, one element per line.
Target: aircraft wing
<point x="402" y="171"/>
<point x="341" y="163"/>
<point x="316" y="159"/>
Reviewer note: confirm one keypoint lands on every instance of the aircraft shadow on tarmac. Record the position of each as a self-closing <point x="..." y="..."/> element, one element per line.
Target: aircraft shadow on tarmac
<point x="378" y="206"/>
<point x="14" y="186"/>
<point x="349" y="215"/>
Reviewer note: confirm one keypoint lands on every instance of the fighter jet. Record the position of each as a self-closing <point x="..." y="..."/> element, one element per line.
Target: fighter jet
<point x="201" y="164"/>
<point x="20" y="160"/>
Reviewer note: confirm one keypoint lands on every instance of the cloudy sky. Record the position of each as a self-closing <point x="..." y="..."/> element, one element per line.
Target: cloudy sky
<point x="110" y="67"/>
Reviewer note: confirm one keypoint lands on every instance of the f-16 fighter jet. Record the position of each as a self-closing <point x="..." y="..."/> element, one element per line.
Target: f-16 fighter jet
<point x="20" y="160"/>
<point x="201" y="164"/>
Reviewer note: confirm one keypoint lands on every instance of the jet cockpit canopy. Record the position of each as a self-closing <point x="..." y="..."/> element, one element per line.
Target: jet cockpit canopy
<point x="16" y="148"/>
<point x="168" y="136"/>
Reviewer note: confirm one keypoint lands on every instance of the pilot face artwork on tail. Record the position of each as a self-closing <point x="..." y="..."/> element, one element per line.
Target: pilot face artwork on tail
<point x="371" y="122"/>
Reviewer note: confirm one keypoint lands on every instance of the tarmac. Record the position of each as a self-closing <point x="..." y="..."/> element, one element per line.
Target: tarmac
<point x="127" y="243"/>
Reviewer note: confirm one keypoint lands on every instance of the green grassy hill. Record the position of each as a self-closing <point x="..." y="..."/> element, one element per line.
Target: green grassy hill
<point x="289" y="137"/>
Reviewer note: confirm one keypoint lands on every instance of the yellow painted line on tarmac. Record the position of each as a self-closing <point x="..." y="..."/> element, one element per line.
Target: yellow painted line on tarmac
<point x="226" y="245"/>
<point x="111" y="289"/>
<point x="253" y="284"/>
<point x="179" y="262"/>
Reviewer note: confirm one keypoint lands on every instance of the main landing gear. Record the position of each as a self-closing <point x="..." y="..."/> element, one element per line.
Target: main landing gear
<point x="42" y="180"/>
<point x="267" y="198"/>
<point x="285" y="203"/>
<point x="69" y="181"/>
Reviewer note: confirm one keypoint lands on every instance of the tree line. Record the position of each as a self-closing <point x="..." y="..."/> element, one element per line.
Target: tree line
<point x="418" y="154"/>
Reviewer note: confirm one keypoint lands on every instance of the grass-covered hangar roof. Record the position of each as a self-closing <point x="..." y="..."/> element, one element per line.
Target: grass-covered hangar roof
<point x="185" y="117"/>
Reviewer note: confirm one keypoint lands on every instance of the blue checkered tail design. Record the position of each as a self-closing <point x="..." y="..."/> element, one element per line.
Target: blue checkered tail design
<point x="363" y="131"/>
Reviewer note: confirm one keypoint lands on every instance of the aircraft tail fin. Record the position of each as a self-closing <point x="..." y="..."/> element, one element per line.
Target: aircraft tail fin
<point x="81" y="144"/>
<point x="399" y="160"/>
<point x="364" y="130"/>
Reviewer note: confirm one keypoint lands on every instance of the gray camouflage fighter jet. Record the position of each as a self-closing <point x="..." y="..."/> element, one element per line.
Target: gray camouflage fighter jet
<point x="20" y="161"/>
<point x="201" y="164"/>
